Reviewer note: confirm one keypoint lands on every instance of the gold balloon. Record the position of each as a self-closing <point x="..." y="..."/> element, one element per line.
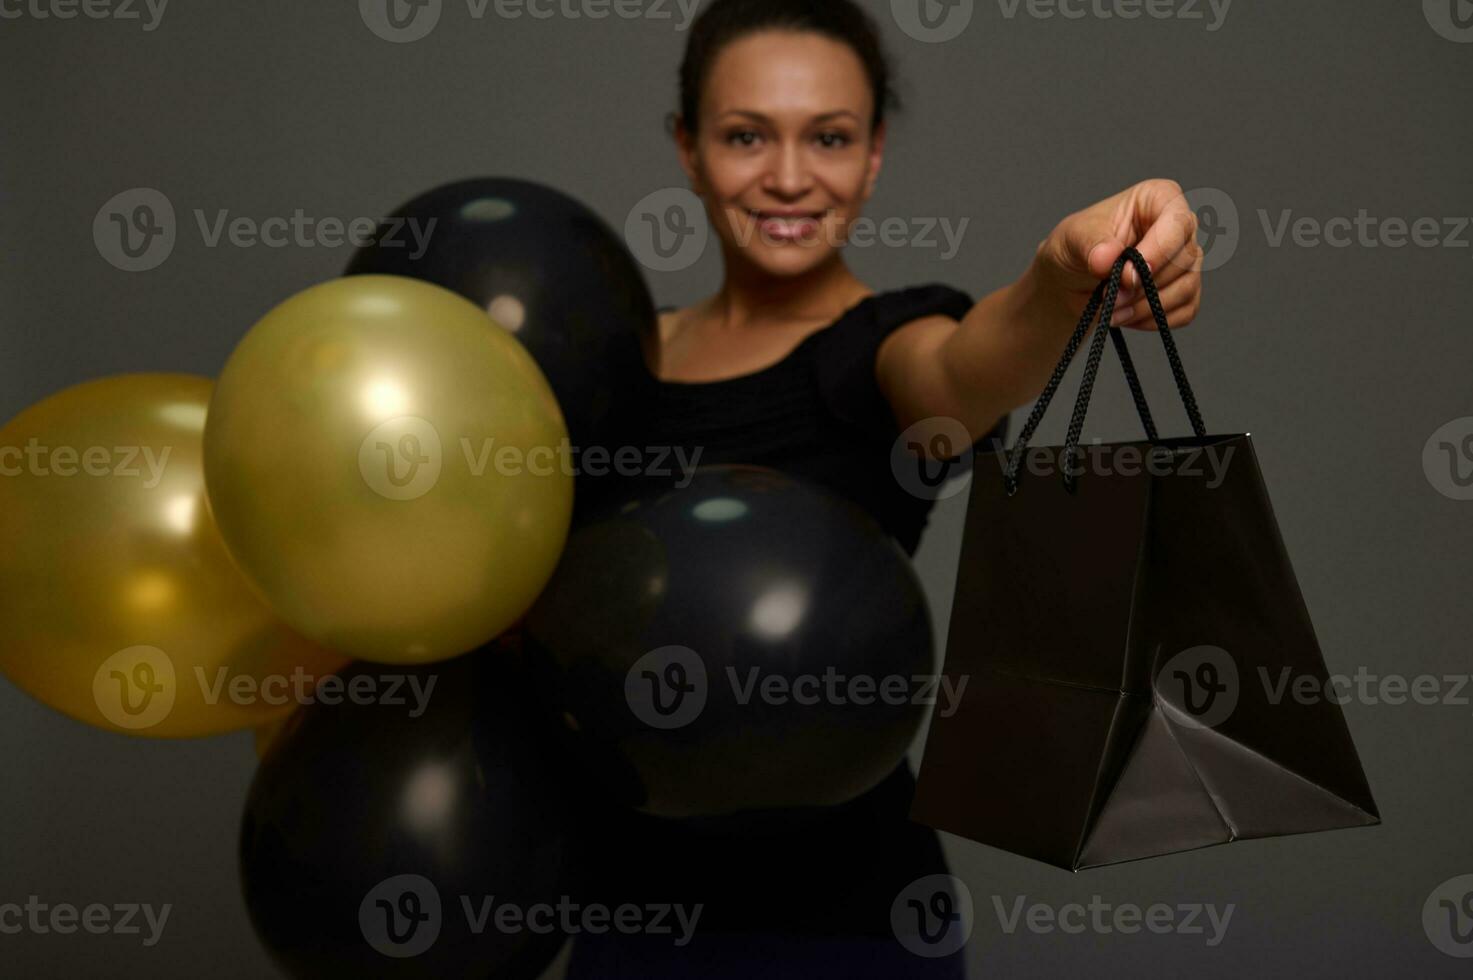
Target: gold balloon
<point x="389" y="468"/>
<point x="121" y="606"/>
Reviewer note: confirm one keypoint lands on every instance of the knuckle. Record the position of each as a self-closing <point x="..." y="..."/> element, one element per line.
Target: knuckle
<point x="1166" y="186"/>
<point x="1189" y="225"/>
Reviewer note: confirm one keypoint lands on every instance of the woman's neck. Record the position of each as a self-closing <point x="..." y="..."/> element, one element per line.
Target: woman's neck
<point x="751" y="297"/>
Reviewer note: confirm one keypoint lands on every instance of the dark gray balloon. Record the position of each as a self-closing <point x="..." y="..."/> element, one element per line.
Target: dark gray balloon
<point x="368" y="828"/>
<point x="750" y="642"/>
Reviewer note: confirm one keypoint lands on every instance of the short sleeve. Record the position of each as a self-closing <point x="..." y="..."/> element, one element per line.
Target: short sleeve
<point x="845" y="363"/>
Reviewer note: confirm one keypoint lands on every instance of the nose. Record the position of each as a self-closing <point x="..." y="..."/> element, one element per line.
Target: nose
<point x="788" y="176"/>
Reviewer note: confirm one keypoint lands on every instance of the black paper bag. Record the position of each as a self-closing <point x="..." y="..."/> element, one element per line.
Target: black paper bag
<point x="1136" y="650"/>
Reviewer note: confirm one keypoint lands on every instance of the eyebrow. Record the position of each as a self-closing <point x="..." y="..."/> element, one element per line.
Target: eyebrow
<point x="824" y="117"/>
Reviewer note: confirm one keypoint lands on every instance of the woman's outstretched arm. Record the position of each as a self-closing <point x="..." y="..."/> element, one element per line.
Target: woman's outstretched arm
<point x="1000" y="354"/>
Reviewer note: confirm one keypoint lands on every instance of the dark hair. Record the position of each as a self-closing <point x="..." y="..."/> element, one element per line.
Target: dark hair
<point x="724" y="21"/>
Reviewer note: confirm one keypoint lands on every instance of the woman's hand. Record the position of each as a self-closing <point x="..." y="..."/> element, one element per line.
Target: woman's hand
<point x="1001" y="353"/>
<point x="1154" y="217"/>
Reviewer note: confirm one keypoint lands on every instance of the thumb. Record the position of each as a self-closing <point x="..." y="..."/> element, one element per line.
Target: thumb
<point x="1102" y="252"/>
<point x="1089" y="246"/>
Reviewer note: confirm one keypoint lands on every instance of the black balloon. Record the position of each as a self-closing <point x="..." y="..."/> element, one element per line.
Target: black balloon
<point x="373" y="839"/>
<point x="689" y="636"/>
<point x="547" y="269"/>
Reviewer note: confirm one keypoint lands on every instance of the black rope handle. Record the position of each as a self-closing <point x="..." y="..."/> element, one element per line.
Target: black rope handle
<point x="1041" y="405"/>
<point x="1103" y="302"/>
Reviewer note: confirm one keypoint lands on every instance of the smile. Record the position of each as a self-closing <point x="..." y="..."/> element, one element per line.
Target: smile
<point x="787" y="225"/>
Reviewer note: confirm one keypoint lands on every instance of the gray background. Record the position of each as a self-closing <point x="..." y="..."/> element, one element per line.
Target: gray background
<point x="1342" y="362"/>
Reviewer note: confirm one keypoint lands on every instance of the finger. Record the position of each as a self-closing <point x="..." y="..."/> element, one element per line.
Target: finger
<point x="1089" y="250"/>
<point x="1178" y="316"/>
<point x="1174" y="299"/>
<point x="1184" y="262"/>
<point x="1168" y="220"/>
<point x="1103" y="251"/>
<point x="1094" y="238"/>
<point x="1179" y="300"/>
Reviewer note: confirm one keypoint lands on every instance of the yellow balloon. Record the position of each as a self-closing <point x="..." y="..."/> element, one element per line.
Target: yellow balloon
<point x="389" y="468"/>
<point x="121" y="606"/>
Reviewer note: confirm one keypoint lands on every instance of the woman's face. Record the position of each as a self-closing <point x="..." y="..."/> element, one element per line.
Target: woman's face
<point x="784" y="157"/>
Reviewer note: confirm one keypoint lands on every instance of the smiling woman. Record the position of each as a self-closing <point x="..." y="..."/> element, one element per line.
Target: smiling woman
<point x="797" y="364"/>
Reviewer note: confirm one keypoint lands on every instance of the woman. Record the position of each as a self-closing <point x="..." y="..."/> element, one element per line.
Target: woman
<point x="797" y="364"/>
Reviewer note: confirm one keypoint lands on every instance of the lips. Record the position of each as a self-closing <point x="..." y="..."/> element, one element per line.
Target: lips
<point x="787" y="225"/>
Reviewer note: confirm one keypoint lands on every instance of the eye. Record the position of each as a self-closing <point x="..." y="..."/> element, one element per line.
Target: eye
<point x="742" y="137"/>
<point x="833" y="140"/>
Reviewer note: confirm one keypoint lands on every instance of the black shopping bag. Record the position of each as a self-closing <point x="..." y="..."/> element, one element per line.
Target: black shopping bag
<point x="1142" y="674"/>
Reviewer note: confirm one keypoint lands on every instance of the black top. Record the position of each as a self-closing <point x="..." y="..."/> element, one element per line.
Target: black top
<point x="817" y="413"/>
